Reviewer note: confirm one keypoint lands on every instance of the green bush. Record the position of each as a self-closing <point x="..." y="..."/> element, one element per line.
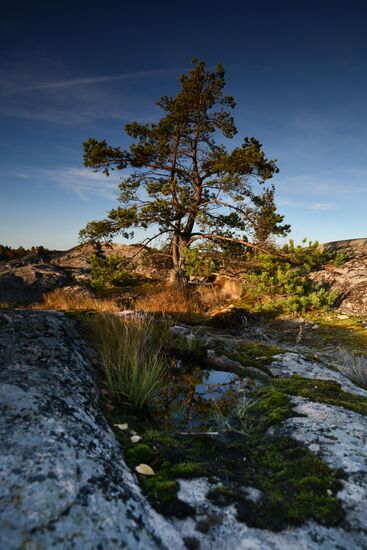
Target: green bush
<point x="281" y="283"/>
<point x="199" y="263"/>
<point x="110" y="272"/>
<point x="311" y="256"/>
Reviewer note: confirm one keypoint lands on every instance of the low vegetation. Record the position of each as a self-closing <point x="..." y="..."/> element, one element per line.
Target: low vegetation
<point x="277" y="282"/>
<point x="67" y="300"/>
<point x="111" y="271"/>
<point x="277" y="466"/>
<point x="134" y="364"/>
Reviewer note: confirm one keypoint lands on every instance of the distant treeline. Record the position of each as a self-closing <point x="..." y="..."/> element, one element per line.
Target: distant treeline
<point x="8" y="253"/>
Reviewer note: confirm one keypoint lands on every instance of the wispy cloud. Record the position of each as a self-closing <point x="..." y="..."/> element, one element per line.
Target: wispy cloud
<point x="308" y="205"/>
<point x="46" y="91"/>
<point x="84" y="81"/>
<point x="86" y="184"/>
<point x="347" y="182"/>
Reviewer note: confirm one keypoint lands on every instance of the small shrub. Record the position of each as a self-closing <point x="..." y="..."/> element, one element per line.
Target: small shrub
<point x="199" y="264"/>
<point x="282" y="285"/>
<point x="110" y="272"/>
<point x="132" y="357"/>
<point x="311" y="256"/>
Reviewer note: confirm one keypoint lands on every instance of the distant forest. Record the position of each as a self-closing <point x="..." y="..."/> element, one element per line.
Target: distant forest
<point x="8" y="253"/>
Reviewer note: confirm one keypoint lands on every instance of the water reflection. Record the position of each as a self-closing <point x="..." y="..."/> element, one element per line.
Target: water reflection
<point x="194" y="396"/>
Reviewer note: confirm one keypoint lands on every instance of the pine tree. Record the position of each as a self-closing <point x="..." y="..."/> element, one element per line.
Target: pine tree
<point x="185" y="185"/>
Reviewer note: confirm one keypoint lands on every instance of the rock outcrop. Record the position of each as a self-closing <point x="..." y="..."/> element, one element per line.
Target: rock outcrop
<point x="63" y="482"/>
<point x="65" y="485"/>
<point x="25" y="283"/>
<point x="349" y="279"/>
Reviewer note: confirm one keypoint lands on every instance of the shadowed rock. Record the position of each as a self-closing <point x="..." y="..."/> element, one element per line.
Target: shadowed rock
<point x="24" y="283"/>
<point x="63" y="483"/>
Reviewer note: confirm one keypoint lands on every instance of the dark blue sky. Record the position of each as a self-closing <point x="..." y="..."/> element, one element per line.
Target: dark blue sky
<point x="71" y="70"/>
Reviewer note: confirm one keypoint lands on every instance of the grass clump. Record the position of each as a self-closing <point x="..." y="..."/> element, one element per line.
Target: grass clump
<point x="353" y="366"/>
<point x="132" y="357"/>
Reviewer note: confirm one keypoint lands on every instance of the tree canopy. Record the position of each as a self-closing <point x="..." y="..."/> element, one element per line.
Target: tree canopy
<point x="182" y="183"/>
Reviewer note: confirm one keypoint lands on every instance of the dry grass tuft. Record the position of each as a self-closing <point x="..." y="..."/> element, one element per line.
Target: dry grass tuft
<point x="192" y="303"/>
<point x="172" y="301"/>
<point x="220" y="292"/>
<point x="70" y="301"/>
<point x="132" y="357"/>
<point x="353" y="366"/>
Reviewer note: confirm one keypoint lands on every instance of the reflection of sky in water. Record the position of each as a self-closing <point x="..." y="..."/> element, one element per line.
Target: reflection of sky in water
<point x="220" y="380"/>
<point x="195" y="395"/>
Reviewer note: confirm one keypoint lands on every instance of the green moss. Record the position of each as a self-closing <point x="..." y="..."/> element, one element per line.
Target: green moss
<point x="139" y="454"/>
<point x="255" y="354"/>
<point x="295" y="487"/>
<point x="268" y="407"/>
<point x="295" y="484"/>
<point x="161" y="489"/>
<point x="259" y="349"/>
<point x="323" y="391"/>
<point x="348" y="333"/>
<point x="187" y="469"/>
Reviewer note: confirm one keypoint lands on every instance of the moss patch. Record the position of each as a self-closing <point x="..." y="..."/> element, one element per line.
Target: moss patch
<point x="295" y="485"/>
<point x="256" y="354"/>
<point x="139" y="454"/>
<point x="347" y="333"/>
<point x="323" y="391"/>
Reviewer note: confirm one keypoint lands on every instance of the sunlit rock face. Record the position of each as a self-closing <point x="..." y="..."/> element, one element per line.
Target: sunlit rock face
<point x="349" y="279"/>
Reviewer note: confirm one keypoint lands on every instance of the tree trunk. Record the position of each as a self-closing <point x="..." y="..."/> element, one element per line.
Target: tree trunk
<point x="178" y="275"/>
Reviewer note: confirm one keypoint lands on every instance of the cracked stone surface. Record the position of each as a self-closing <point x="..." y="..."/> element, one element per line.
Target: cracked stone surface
<point x="339" y="437"/>
<point x="63" y="483"/>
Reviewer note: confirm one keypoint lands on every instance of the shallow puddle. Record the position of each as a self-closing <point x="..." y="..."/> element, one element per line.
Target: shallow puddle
<point x="196" y="398"/>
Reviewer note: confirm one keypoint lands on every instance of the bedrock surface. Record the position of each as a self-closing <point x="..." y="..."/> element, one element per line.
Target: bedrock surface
<point x="63" y="483"/>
